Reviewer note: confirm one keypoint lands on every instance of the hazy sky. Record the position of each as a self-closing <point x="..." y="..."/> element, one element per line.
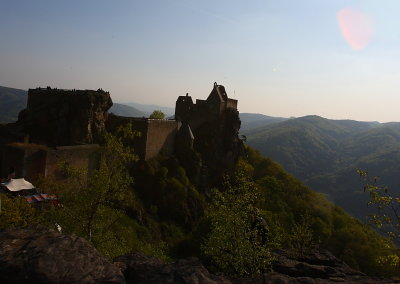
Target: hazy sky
<point x="334" y="58"/>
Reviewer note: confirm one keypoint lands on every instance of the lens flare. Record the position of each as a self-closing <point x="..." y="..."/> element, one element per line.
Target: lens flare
<point x="356" y="27"/>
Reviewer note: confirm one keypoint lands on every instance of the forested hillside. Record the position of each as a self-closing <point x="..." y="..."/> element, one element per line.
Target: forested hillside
<point x="325" y="154"/>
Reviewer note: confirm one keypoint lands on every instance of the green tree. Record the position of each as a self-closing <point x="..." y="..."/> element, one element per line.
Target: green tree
<point x="386" y="216"/>
<point x="17" y="212"/>
<point x="237" y="243"/>
<point x="300" y="239"/>
<point x="93" y="205"/>
<point x="157" y="114"/>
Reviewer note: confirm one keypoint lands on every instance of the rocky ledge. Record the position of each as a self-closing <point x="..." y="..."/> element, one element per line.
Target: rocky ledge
<point x="39" y="255"/>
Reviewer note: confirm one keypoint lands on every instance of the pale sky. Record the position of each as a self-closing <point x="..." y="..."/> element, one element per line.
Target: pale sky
<point x="338" y="59"/>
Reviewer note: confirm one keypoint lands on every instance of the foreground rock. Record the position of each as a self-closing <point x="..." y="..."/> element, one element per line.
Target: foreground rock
<point x="140" y="269"/>
<point x="39" y="255"/>
<point x="315" y="267"/>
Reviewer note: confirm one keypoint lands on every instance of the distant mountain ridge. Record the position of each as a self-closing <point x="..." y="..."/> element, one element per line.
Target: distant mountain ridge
<point x="325" y="154"/>
<point x="149" y="108"/>
<point x="12" y="101"/>
<point x="254" y="120"/>
<point x="124" y="110"/>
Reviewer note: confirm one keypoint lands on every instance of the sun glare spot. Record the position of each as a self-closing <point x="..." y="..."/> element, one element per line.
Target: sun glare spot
<point x="356" y="27"/>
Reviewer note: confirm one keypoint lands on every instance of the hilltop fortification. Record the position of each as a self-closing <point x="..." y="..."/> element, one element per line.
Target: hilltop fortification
<point x="67" y="124"/>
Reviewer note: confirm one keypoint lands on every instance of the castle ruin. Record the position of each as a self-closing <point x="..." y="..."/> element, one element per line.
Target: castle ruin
<point x="68" y="124"/>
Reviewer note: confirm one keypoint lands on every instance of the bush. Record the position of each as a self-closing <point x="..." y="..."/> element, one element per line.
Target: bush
<point x="237" y="245"/>
<point x="17" y="212"/>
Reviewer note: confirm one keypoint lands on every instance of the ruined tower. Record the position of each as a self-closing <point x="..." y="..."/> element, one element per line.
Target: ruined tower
<point x="57" y="117"/>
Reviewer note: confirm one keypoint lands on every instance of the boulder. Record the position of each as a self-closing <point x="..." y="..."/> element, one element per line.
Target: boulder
<point x="140" y="269"/>
<point x="40" y="255"/>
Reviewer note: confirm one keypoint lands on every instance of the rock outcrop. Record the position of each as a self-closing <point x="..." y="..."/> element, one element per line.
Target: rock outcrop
<point x="140" y="269"/>
<point x="57" y="117"/>
<point x="315" y="267"/>
<point x="39" y="255"/>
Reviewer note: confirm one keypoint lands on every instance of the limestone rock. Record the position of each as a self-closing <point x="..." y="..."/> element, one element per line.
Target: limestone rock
<point x="39" y="255"/>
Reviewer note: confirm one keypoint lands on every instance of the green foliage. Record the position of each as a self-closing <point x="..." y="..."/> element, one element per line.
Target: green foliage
<point x="152" y="218"/>
<point x="94" y="206"/>
<point x="300" y="239"/>
<point x="167" y="192"/>
<point x="157" y="114"/>
<point x="287" y="200"/>
<point x="386" y="217"/>
<point x="17" y="212"/>
<point x="236" y="244"/>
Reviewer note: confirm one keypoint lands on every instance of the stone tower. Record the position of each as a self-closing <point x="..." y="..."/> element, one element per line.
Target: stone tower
<point x="57" y="117"/>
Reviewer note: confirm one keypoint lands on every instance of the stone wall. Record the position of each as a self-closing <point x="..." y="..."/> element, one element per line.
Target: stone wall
<point x="83" y="157"/>
<point x="32" y="161"/>
<point x="231" y="103"/>
<point x="160" y="135"/>
<point x="155" y="134"/>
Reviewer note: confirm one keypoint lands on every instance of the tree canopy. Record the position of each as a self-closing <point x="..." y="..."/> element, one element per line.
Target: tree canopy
<point x="157" y="114"/>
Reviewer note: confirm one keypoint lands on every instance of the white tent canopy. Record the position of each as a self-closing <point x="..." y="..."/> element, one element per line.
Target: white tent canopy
<point x="18" y="184"/>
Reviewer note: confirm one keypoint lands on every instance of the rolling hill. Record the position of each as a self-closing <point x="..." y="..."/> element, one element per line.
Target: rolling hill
<point x="124" y="110"/>
<point x="325" y="154"/>
<point x="255" y="120"/>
